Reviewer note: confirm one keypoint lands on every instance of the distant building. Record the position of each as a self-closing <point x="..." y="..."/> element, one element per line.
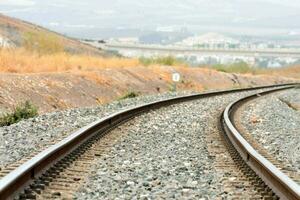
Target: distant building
<point x="210" y="40"/>
<point x="123" y="40"/>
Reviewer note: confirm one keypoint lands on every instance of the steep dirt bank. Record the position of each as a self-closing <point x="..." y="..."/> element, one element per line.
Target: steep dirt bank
<point x="53" y="91"/>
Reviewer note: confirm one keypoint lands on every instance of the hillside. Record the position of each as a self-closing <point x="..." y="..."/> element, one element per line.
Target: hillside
<point x="69" y="89"/>
<point x="51" y="71"/>
<point x="292" y="72"/>
<point x="18" y="33"/>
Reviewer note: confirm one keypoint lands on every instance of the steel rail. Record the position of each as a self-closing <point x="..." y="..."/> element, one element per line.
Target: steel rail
<point x="282" y="185"/>
<point x="23" y="175"/>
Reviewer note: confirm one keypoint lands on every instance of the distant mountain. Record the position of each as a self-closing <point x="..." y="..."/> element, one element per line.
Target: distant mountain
<point x="14" y="31"/>
<point x="164" y="37"/>
<point x="103" y="19"/>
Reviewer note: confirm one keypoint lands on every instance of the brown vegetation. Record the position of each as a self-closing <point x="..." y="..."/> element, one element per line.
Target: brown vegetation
<point x="23" y="61"/>
<point x="292" y="72"/>
<point x="244" y="68"/>
<point x="51" y="59"/>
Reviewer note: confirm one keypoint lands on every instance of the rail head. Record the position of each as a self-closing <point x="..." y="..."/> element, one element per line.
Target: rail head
<point x="19" y="177"/>
<point x="280" y="183"/>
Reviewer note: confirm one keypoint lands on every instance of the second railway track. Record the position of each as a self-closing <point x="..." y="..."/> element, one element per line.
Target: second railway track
<point x="280" y="179"/>
<point x="61" y="170"/>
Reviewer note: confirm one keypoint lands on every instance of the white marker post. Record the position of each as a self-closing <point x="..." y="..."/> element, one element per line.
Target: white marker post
<point x="175" y="78"/>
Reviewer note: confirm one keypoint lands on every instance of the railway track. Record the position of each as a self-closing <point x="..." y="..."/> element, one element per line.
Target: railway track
<point x="63" y="166"/>
<point x="259" y="146"/>
<point x="262" y="164"/>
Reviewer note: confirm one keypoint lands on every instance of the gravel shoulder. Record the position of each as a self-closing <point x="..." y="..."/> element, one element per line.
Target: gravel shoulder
<point x="274" y="121"/>
<point x="34" y="135"/>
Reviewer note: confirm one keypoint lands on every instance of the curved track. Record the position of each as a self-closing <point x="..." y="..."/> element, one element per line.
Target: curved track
<point x="280" y="183"/>
<point x="41" y="169"/>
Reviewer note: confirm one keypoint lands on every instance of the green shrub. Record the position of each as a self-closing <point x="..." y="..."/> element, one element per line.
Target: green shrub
<point x="129" y="95"/>
<point x="42" y="42"/>
<point x="240" y="67"/>
<point x="169" y="61"/>
<point x="22" y="111"/>
<point x="171" y="88"/>
<point x="146" y="61"/>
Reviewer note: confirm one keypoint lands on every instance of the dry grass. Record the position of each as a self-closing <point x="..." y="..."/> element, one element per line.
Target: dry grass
<point x="243" y="68"/>
<point x="292" y="72"/>
<point x="22" y="61"/>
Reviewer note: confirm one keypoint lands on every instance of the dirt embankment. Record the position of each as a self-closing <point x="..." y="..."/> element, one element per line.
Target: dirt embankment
<point x="53" y="91"/>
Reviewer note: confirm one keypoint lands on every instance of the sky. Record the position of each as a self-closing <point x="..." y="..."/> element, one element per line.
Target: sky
<point x="92" y="18"/>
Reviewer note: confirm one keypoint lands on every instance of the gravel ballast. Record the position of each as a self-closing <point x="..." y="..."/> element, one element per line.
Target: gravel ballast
<point x="162" y="154"/>
<point x="274" y="122"/>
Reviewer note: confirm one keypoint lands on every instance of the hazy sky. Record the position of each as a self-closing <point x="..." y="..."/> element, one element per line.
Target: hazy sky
<point x="84" y="17"/>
